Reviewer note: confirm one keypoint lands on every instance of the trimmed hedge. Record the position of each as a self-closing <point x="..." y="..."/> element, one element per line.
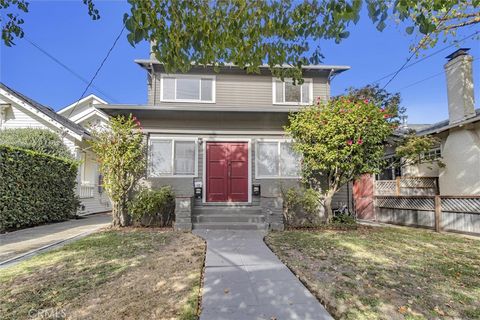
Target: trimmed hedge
<point x="35" y="188"/>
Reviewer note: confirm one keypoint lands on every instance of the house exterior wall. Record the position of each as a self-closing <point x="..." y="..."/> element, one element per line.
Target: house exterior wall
<point x="238" y="90"/>
<point x="461" y="155"/>
<point x="224" y="126"/>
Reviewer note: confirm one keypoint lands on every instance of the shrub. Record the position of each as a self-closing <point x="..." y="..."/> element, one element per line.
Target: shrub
<point x="153" y="208"/>
<point x="41" y="140"/>
<point x="301" y="206"/>
<point x="35" y="188"/>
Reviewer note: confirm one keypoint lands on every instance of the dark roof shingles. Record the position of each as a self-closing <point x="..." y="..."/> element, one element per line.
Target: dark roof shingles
<point x="78" y="129"/>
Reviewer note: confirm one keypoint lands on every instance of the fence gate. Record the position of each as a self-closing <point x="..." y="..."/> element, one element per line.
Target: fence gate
<point x="363" y="197"/>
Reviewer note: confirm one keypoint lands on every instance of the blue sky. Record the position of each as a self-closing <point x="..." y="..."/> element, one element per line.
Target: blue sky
<point x="64" y="29"/>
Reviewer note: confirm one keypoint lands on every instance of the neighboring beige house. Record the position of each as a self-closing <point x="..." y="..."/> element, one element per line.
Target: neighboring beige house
<point x="218" y="138"/>
<point x="459" y="135"/>
<point x="19" y="111"/>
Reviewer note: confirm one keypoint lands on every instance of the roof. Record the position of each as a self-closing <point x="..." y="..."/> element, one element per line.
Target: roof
<point x="325" y="67"/>
<point x="445" y="125"/>
<point x="76" y="128"/>
<point x="114" y="109"/>
<point x="81" y="101"/>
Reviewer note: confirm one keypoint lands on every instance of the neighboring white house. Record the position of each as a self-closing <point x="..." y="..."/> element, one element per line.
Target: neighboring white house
<point x="19" y="111"/>
<point x="459" y="135"/>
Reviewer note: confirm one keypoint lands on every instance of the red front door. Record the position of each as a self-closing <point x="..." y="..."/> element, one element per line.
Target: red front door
<point x="227" y="172"/>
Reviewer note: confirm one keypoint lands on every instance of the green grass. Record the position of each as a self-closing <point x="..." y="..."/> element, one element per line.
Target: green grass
<point x="55" y="279"/>
<point x="385" y="273"/>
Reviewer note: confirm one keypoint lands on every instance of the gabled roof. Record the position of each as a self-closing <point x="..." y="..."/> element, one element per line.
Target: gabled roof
<point x="445" y="125"/>
<point x="49" y="112"/>
<point x="90" y="97"/>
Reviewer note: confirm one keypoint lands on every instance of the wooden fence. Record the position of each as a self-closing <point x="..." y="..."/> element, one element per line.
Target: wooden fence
<point x="441" y="213"/>
<point x="407" y="186"/>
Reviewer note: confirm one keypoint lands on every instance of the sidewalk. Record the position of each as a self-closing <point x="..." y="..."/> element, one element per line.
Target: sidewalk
<point x="244" y="280"/>
<point x="23" y="243"/>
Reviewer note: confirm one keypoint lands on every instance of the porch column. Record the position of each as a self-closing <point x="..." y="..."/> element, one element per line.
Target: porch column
<point x="272" y="209"/>
<point x="183" y="213"/>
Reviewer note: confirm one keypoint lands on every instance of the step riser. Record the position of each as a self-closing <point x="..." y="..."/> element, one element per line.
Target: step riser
<point x="206" y="226"/>
<point x="227" y="211"/>
<point x="228" y="219"/>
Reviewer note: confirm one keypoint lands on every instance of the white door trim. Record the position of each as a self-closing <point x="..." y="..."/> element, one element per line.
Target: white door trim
<point x="204" y="165"/>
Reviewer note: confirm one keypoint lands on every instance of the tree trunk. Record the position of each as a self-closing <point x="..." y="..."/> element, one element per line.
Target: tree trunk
<point x="120" y="215"/>
<point x="327" y="204"/>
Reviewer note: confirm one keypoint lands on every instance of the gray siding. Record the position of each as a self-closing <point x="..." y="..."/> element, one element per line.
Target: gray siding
<point x="237" y="91"/>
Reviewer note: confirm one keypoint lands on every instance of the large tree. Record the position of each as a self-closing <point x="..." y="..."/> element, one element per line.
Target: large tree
<point x="343" y="138"/>
<point x="252" y="32"/>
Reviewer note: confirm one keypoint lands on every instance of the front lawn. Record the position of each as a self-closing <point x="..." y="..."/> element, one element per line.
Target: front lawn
<point x="116" y="274"/>
<point x="386" y="273"/>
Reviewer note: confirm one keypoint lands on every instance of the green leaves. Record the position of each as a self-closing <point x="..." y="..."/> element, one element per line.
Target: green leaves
<point x="35" y="188"/>
<point x="121" y="152"/>
<point x="340" y="139"/>
<point x="41" y="140"/>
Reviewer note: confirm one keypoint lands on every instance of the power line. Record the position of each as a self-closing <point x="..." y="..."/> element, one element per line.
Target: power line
<point x="73" y="72"/>
<point x="427" y="78"/>
<point x="412" y="55"/>
<point x="98" y="70"/>
<point x="430" y="55"/>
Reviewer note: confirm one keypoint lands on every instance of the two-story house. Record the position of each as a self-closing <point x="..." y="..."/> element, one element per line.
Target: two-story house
<point x="218" y="140"/>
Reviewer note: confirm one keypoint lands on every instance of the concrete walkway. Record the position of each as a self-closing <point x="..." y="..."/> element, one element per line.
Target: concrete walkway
<point x="245" y="280"/>
<point x="17" y="245"/>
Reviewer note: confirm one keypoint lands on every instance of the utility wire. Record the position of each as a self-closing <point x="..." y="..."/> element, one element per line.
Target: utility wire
<point x="73" y="72"/>
<point x="428" y="78"/>
<point x="98" y="70"/>
<point x="430" y="55"/>
<point x="411" y="56"/>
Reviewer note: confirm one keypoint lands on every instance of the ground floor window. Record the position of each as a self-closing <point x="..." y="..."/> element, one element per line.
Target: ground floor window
<point x="175" y="157"/>
<point x="276" y="159"/>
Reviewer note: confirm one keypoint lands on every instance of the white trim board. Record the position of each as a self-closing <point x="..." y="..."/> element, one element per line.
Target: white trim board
<point x="177" y="76"/>
<point x="81" y="101"/>
<point x="278" y="142"/>
<point x="38" y="113"/>
<point x="173" y="139"/>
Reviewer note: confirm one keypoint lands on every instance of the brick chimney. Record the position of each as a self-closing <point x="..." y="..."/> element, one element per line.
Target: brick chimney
<point x="458" y="70"/>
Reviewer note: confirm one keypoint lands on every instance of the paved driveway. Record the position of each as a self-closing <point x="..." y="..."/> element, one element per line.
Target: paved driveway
<point x="26" y="242"/>
<point x="245" y="280"/>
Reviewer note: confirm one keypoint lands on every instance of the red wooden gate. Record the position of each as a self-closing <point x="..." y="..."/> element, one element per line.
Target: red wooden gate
<point x="363" y="197"/>
<point x="227" y="172"/>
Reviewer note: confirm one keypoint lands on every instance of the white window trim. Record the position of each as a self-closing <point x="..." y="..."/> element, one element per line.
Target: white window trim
<point x="274" y="91"/>
<point x="184" y="76"/>
<point x="279" y="176"/>
<point x="173" y="139"/>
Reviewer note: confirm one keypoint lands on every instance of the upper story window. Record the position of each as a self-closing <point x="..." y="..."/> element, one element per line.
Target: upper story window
<point x="188" y="88"/>
<point x="285" y="92"/>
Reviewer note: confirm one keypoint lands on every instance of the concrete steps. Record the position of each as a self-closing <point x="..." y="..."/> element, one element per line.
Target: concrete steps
<point x="229" y="226"/>
<point x="228" y="218"/>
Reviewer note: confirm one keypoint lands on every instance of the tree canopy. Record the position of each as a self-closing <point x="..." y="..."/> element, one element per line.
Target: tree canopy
<point x="252" y="32"/>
